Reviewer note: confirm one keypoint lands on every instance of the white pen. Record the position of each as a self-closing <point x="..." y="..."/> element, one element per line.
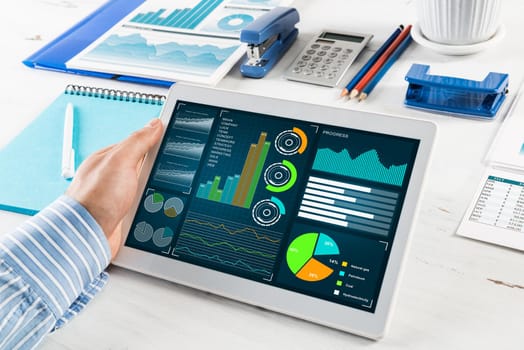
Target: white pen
<point x="68" y="152"/>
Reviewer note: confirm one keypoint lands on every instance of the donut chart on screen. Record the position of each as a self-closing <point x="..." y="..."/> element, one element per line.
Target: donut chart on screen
<point x="306" y="255"/>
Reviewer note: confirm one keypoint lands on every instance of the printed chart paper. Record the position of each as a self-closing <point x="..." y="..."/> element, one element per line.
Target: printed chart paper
<point x="508" y="148"/>
<point x="189" y="40"/>
<point x="496" y="214"/>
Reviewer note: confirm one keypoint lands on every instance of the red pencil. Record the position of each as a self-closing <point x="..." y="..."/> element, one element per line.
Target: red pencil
<point x="380" y="62"/>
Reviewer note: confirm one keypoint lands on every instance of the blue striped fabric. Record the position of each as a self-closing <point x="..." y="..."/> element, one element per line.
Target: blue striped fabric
<point x="50" y="268"/>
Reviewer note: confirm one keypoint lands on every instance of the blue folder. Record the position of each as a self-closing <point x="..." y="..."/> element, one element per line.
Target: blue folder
<point x="30" y="165"/>
<point x="54" y="55"/>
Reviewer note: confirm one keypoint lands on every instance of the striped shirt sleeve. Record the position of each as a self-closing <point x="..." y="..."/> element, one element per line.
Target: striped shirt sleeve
<point x="50" y="267"/>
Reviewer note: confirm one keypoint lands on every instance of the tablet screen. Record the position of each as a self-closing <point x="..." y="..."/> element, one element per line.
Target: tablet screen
<point x="303" y="206"/>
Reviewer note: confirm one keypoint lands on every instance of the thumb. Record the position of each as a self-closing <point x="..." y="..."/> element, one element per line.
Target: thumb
<point x="141" y="141"/>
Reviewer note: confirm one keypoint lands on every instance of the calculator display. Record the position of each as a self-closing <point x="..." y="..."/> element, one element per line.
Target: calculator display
<point x="337" y="36"/>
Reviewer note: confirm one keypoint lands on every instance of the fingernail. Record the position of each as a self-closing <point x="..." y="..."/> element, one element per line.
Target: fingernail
<point x="153" y="123"/>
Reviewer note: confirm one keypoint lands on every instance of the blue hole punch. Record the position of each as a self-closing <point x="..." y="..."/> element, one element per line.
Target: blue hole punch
<point x="456" y="95"/>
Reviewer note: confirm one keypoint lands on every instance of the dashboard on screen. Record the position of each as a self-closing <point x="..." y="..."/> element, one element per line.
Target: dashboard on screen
<point x="302" y="206"/>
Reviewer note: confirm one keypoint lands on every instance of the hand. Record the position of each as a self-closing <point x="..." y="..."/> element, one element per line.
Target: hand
<point x="107" y="181"/>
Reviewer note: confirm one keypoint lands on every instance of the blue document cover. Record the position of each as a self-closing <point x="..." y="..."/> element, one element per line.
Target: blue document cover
<point x="155" y="42"/>
<point x="30" y="165"/>
<point x="54" y="55"/>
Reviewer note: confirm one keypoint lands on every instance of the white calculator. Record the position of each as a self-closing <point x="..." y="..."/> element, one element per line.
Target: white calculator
<point x="327" y="57"/>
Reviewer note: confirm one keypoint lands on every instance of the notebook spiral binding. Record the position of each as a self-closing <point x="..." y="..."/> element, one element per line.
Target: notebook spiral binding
<point x="113" y="94"/>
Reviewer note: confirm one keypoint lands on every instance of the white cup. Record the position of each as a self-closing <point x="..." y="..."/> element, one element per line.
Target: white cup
<point x="458" y="22"/>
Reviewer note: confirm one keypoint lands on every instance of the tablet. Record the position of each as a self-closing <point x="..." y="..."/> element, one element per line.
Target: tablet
<point x="298" y="208"/>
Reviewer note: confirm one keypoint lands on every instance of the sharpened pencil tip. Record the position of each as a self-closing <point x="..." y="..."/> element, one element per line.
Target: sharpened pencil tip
<point x="344" y="92"/>
<point x="354" y="93"/>
<point x="362" y="96"/>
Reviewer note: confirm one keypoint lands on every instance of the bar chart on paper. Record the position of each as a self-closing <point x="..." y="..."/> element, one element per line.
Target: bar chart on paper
<point x="183" y="18"/>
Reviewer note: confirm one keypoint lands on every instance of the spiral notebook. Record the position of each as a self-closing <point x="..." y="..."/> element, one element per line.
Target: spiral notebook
<point x="30" y="165"/>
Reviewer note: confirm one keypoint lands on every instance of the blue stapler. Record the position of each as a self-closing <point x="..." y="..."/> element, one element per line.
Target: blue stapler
<point x="268" y="38"/>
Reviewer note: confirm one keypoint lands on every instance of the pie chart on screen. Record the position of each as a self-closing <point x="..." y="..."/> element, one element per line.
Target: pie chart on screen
<point x="154" y="202"/>
<point x="173" y="207"/>
<point x="307" y="253"/>
<point x="163" y="237"/>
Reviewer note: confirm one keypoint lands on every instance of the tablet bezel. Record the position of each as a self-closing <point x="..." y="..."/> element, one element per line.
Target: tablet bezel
<point x="346" y="318"/>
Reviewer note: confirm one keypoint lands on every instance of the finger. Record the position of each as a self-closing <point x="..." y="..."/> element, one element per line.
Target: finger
<point x="139" y="165"/>
<point x="140" y="142"/>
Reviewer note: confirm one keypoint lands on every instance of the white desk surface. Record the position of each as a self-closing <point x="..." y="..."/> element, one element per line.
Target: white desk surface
<point x="455" y="293"/>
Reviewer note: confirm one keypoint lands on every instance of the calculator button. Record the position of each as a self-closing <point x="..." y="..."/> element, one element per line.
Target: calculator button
<point x="317" y="59"/>
<point x="324" y="67"/>
<point x="331" y="76"/>
<point x="328" y="61"/>
<point x="315" y="46"/>
<point x="335" y="70"/>
<point x="337" y="49"/>
<point x="326" y="47"/>
<point x="301" y="64"/>
<point x="312" y="65"/>
<point x="308" y="71"/>
<point x="340" y="62"/>
<point x="321" y="53"/>
<point x="310" y="52"/>
<point x="348" y="51"/>
<point x="319" y="74"/>
<point x="344" y="57"/>
<point x="332" y="54"/>
<point x="306" y="57"/>
<point x="297" y="70"/>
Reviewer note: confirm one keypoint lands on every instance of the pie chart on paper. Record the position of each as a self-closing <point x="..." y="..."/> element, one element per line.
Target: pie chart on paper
<point x="305" y="253"/>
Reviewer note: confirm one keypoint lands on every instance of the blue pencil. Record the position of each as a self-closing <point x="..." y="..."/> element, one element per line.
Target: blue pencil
<point x="389" y="62"/>
<point x="371" y="61"/>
